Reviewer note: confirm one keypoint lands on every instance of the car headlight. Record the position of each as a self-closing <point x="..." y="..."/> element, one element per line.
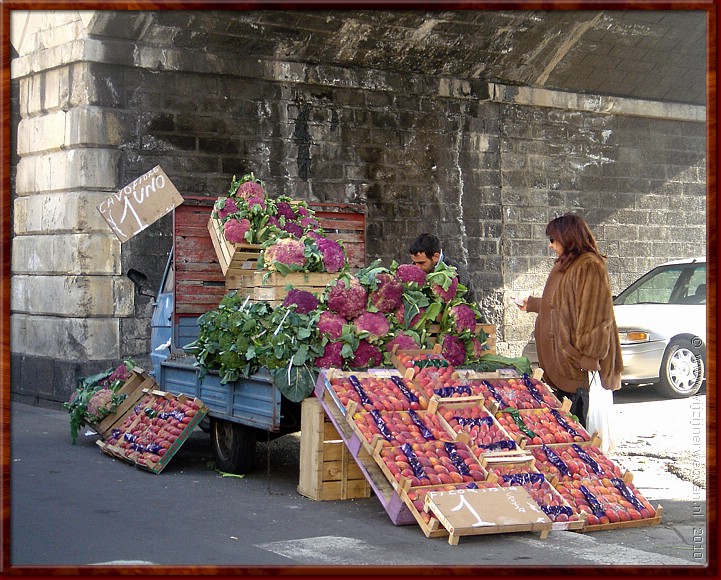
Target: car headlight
<point x="634" y="336"/>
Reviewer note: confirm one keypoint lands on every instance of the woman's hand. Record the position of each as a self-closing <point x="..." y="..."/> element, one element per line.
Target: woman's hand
<point x="521" y="303"/>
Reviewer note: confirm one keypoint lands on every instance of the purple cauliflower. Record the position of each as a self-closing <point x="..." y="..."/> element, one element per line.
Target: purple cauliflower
<point x="375" y="323"/>
<point x="454" y="350"/>
<point x="253" y="201"/>
<point x="463" y="317"/>
<point x="286" y="210"/>
<point x="446" y="295"/>
<point x="333" y="255"/>
<point x="100" y="403"/>
<point x="403" y="341"/>
<point x="293" y="228"/>
<point x="121" y="373"/>
<point x="411" y="273"/>
<point x="331" y="324"/>
<point x="288" y="251"/>
<point x="309" y="223"/>
<point x="388" y="296"/>
<point x="303" y="300"/>
<point x="302" y="212"/>
<point x="349" y="300"/>
<point x="474" y="348"/>
<point x="227" y="209"/>
<point x="331" y="357"/>
<point x="235" y="230"/>
<point x="273" y="221"/>
<point x="366" y="355"/>
<point x="250" y="189"/>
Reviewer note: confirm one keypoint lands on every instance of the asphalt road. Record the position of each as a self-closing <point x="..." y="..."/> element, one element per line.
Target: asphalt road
<point x="74" y="506"/>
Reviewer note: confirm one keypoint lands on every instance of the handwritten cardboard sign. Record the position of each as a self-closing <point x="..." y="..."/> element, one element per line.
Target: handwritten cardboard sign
<point x="140" y="203"/>
<point x="466" y="512"/>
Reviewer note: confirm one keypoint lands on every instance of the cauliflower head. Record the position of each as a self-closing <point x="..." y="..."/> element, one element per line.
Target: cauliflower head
<point x="348" y="299"/>
<point x="331" y="357"/>
<point x="100" y="403"/>
<point x="250" y="189"/>
<point x="304" y="301"/>
<point x="411" y="274"/>
<point x="334" y="259"/>
<point x="454" y="350"/>
<point x="235" y="230"/>
<point x="366" y="355"/>
<point x="331" y="324"/>
<point x="374" y="323"/>
<point x="463" y="317"/>
<point x="287" y="251"/>
<point x="388" y="295"/>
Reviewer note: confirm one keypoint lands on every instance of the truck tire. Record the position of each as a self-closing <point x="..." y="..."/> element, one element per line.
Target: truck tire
<point x="233" y="446"/>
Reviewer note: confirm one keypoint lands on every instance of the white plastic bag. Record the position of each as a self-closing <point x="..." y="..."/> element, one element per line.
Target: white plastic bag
<point x="601" y="418"/>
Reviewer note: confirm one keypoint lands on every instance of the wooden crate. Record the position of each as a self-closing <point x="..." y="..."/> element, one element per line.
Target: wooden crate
<point x="272" y="287"/>
<point x="139" y="454"/>
<point x="133" y="389"/>
<point x="328" y="471"/>
<point x="234" y="259"/>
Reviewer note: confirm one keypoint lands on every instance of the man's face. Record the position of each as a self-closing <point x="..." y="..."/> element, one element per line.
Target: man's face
<point x="426" y="264"/>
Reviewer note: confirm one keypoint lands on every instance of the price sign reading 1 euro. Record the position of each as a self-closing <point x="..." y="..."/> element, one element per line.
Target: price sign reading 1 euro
<point x="140" y="203"/>
<point x="469" y="512"/>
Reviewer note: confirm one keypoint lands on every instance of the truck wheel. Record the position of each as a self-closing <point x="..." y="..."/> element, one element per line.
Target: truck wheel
<point x="233" y="446"/>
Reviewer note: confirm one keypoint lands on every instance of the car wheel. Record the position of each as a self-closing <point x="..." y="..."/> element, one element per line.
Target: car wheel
<point x="682" y="370"/>
<point x="233" y="446"/>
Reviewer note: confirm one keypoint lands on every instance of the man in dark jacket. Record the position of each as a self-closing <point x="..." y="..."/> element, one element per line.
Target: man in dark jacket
<point x="426" y="252"/>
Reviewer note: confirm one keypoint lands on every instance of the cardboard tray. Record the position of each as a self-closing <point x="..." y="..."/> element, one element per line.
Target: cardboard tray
<point x="118" y="443"/>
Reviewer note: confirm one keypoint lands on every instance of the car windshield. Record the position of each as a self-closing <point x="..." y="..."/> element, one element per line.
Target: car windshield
<point x="672" y="284"/>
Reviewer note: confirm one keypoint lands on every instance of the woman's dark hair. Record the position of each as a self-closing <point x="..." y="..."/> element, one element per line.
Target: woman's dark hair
<point x="572" y="232"/>
<point x="426" y="243"/>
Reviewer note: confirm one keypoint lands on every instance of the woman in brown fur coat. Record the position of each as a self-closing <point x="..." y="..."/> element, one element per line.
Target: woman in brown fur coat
<point x="575" y="328"/>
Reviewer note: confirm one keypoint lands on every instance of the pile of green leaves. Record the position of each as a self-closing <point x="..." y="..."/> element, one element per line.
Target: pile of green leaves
<point x="240" y="337"/>
<point x="113" y="379"/>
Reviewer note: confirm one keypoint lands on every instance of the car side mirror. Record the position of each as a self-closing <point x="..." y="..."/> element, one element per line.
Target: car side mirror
<point x="140" y="280"/>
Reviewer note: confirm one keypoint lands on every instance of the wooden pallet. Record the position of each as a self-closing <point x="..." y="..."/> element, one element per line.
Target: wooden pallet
<point x="327" y="469"/>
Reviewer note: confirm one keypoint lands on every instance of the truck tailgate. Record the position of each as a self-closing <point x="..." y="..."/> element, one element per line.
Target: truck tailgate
<point x="254" y="401"/>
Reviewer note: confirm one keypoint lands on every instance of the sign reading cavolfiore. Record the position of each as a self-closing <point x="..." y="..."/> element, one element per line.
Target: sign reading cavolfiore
<point x="140" y="203"/>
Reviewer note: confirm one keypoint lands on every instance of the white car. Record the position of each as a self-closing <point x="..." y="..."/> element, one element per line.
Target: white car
<point x="661" y="321"/>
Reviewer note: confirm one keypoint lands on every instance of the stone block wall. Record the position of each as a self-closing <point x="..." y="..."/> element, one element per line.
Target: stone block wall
<point x="479" y="167"/>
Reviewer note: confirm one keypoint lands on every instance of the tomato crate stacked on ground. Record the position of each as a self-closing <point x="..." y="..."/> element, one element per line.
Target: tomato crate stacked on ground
<point x="394" y="428"/>
<point x="429" y="463"/>
<point x="152" y="431"/>
<point x="133" y="389"/>
<point x="592" y="483"/>
<point x="533" y="427"/>
<point x="473" y="424"/>
<point x="509" y="471"/>
<point x="376" y="389"/>
<point x="516" y="392"/>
